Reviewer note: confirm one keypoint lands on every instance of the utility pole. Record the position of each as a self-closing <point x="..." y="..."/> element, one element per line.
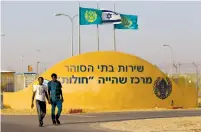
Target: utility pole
<point x="197" y="75"/>
<point x="21" y="57"/>
<point x="38" y="61"/>
<point x="171" y="59"/>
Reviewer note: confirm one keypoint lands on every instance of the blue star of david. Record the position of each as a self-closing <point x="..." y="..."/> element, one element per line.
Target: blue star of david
<point x="109" y="15"/>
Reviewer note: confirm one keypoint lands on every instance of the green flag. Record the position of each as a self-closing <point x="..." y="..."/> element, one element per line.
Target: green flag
<point x="127" y="22"/>
<point x="90" y="16"/>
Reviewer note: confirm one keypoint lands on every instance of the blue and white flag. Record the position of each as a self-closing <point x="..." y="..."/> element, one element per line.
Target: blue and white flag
<point x="110" y="17"/>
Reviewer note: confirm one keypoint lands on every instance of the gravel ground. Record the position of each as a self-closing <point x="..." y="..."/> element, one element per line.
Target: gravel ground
<point x="182" y="124"/>
<point x="9" y="111"/>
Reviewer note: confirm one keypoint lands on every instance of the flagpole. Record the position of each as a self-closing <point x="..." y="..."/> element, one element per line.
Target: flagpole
<point x="114" y="35"/>
<point x="98" y="31"/>
<point x="78" y="27"/>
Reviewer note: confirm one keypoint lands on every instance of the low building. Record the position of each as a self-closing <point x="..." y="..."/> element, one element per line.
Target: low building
<point x="7" y="81"/>
<point x="22" y="80"/>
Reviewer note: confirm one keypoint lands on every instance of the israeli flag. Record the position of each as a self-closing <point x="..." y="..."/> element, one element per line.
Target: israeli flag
<point x="110" y="17"/>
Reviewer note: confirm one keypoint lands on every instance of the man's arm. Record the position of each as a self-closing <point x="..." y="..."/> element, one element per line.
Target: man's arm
<point x="46" y="93"/>
<point x="47" y="97"/>
<point x="32" y="102"/>
<point x="34" y="93"/>
<point x="49" y="88"/>
<point x="61" y="92"/>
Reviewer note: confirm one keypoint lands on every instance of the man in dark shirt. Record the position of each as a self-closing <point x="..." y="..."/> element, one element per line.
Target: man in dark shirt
<point x="56" y="97"/>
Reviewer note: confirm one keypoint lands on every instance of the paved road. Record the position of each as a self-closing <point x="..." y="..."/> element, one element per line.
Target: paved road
<point x="83" y="122"/>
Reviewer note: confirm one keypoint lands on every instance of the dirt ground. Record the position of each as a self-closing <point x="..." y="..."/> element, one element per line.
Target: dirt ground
<point x="9" y="111"/>
<point x="181" y="124"/>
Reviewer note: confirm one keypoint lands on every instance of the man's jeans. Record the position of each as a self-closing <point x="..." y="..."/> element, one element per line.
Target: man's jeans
<point x="57" y="103"/>
<point x="41" y="109"/>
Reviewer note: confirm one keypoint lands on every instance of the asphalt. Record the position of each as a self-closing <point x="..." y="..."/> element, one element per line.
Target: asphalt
<point x="83" y="122"/>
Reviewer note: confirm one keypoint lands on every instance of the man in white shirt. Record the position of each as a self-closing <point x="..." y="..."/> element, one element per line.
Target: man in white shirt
<point x="40" y="91"/>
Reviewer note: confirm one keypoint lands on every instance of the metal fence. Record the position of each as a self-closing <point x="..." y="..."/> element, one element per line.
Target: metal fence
<point x="7" y="82"/>
<point x="191" y="79"/>
<point x="23" y="80"/>
<point x="186" y="74"/>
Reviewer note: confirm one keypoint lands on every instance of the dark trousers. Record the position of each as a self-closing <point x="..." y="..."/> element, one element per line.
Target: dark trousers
<point x="41" y="109"/>
<point x="55" y="103"/>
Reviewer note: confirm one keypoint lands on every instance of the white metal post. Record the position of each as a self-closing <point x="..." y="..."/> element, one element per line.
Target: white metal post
<point x="78" y="27"/>
<point x="179" y="68"/>
<point x="170" y="58"/>
<point x="170" y="62"/>
<point x="175" y="66"/>
<point x="38" y="61"/>
<point x="71" y="37"/>
<point x="72" y="27"/>
<point x="98" y="30"/>
<point x="114" y="35"/>
<point x="21" y="57"/>
<point x="197" y="75"/>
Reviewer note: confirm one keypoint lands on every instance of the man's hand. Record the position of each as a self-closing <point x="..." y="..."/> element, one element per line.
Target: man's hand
<point x="49" y="102"/>
<point x="62" y="100"/>
<point x="32" y="105"/>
